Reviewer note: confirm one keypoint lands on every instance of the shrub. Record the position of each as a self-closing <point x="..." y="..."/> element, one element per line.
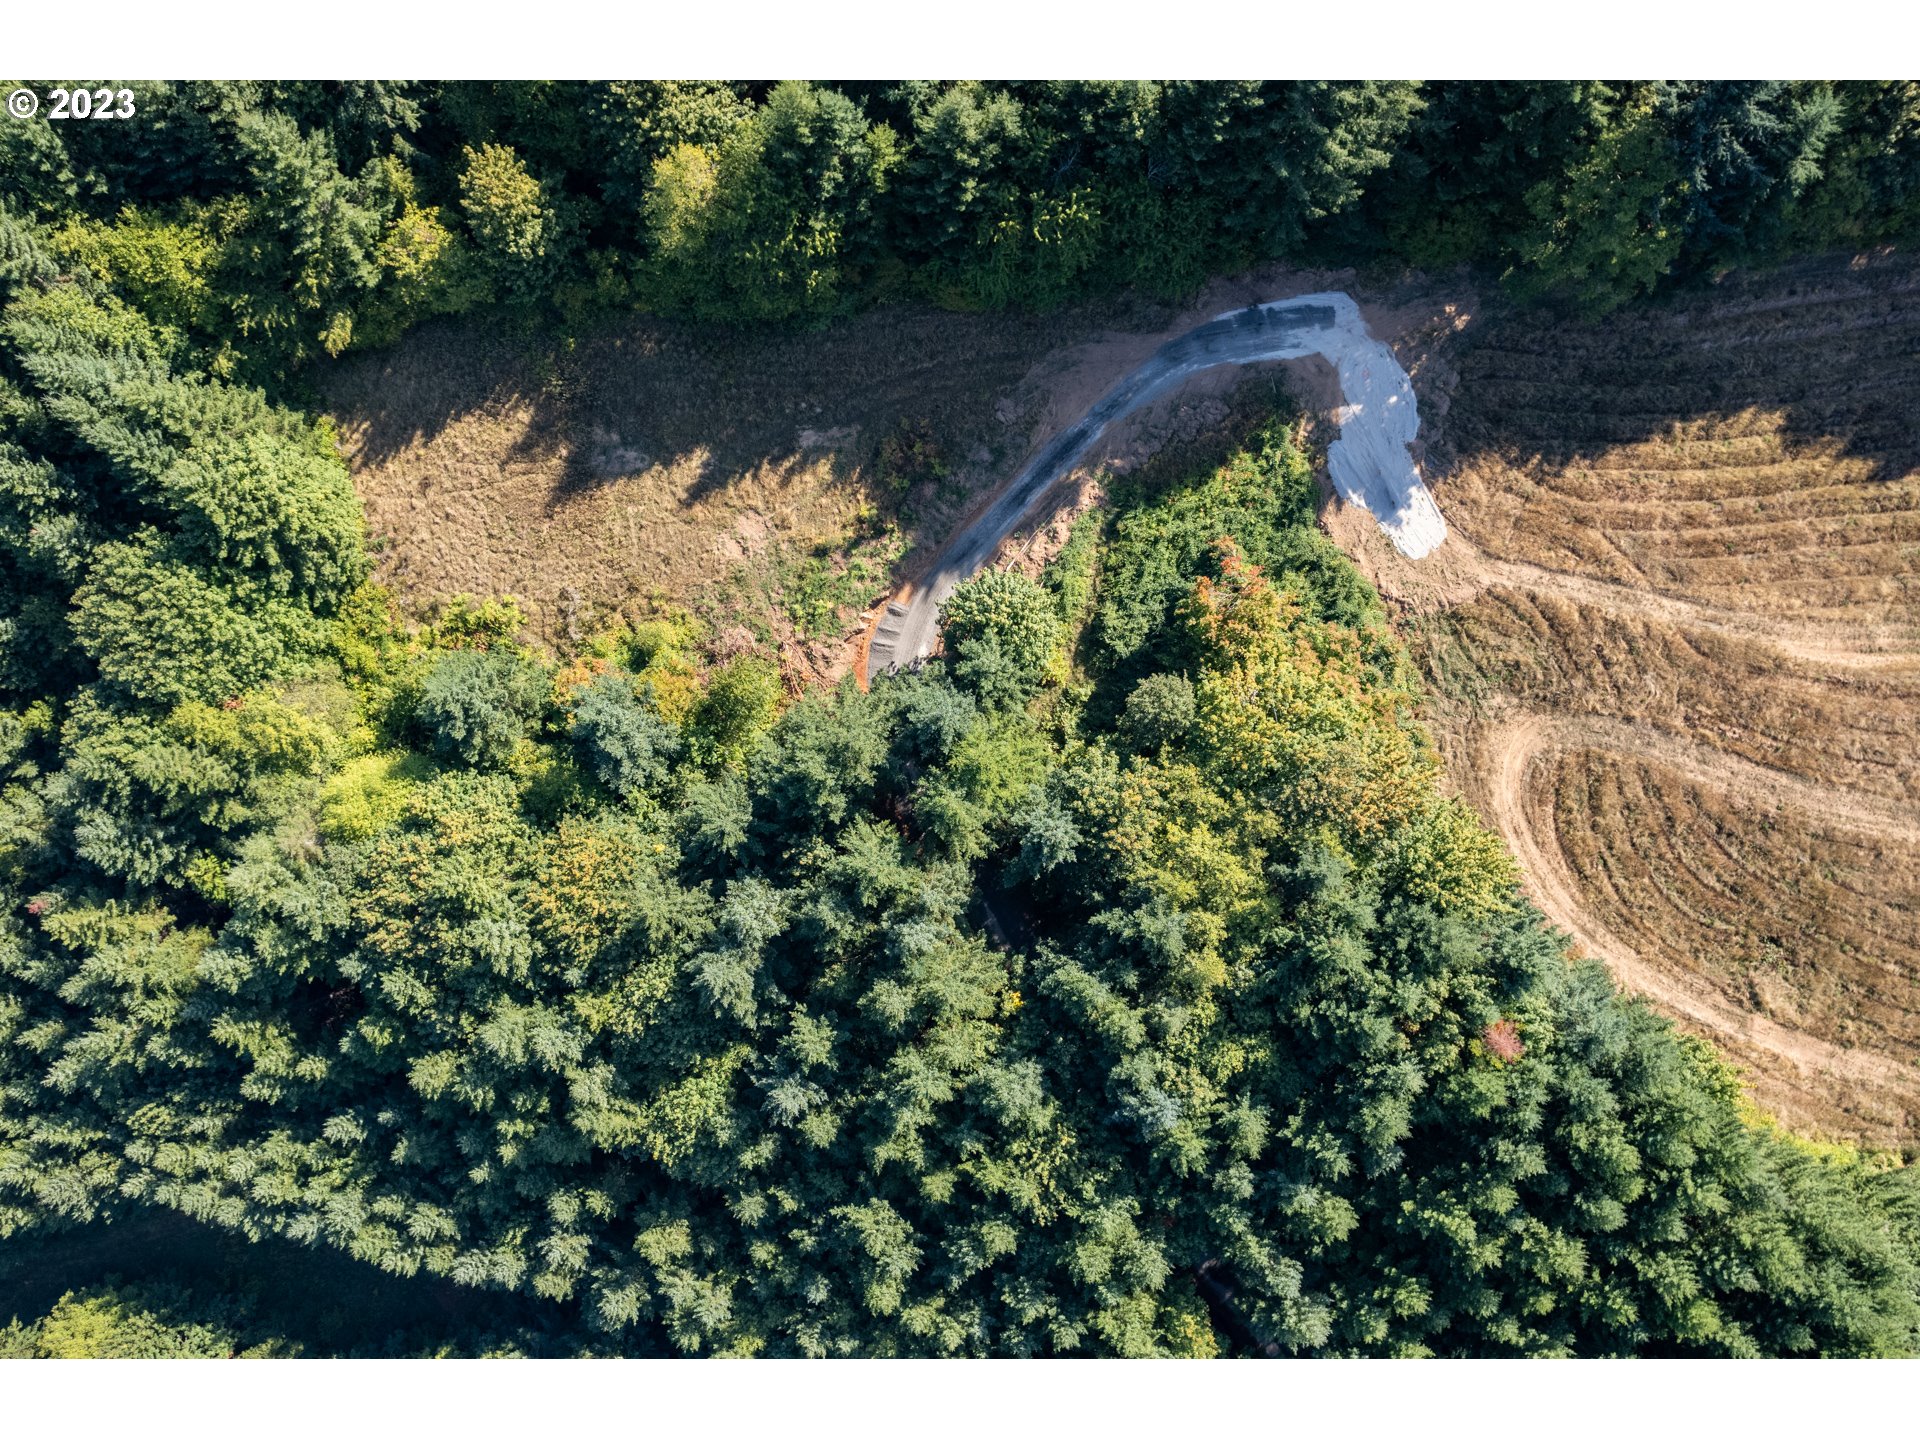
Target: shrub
<point x="477" y="705"/>
<point x="618" y="737"/>
<point x="1001" y="629"/>
<point x="740" y="702"/>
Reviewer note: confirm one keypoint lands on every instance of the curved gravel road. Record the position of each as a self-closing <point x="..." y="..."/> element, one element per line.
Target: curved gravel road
<point x="1369" y="464"/>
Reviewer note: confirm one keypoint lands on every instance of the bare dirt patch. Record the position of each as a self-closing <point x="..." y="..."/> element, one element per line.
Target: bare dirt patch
<point x="1673" y="646"/>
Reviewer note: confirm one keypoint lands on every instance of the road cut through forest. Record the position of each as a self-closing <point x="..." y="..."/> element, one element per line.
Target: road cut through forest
<point x="1370" y="463"/>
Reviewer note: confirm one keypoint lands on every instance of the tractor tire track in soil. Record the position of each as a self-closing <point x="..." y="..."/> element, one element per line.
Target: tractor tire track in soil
<point x="1459" y="571"/>
<point x="1856" y="647"/>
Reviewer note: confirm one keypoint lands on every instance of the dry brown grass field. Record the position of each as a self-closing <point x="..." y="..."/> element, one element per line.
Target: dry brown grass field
<point x="1673" y="646"/>
<point x="746" y="477"/>
<point x="774" y="483"/>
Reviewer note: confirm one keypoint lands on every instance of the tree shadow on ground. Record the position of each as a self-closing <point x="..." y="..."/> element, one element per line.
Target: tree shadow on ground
<point x="634" y="391"/>
<point x="1831" y="346"/>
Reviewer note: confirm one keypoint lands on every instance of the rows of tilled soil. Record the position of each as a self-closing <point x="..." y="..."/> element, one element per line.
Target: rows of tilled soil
<point x="1750" y="450"/>
<point x="1751" y="446"/>
<point x="1812" y="925"/>
<point x="1856" y="730"/>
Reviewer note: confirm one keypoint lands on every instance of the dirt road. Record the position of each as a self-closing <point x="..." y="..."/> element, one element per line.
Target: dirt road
<point x="1459" y="570"/>
<point x="1369" y="464"/>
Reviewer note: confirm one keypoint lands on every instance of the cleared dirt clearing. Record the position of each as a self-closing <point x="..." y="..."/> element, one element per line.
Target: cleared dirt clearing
<point x="737" y="474"/>
<point x="1674" y="651"/>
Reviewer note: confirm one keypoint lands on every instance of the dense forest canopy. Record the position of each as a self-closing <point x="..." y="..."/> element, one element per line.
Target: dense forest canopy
<point x="1122" y="982"/>
<point x="269" y="222"/>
